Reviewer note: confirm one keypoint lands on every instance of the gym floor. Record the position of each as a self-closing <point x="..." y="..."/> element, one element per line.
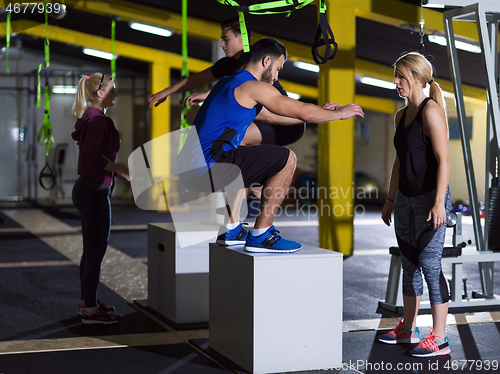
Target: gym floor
<point x="40" y="331"/>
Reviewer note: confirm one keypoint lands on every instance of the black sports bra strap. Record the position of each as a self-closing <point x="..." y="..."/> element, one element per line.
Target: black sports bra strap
<point x="403" y="117"/>
<point x="422" y="106"/>
<point x="424" y="103"/>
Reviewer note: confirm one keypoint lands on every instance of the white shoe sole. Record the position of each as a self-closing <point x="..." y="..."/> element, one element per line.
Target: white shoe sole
<point x="388" y="341"/>
<point x="270" y="250"/>
<point x="400" y="341"/>
<point x="440" y="353"/>
<point x="95" y="322"/>
<point x="228" y="243"/>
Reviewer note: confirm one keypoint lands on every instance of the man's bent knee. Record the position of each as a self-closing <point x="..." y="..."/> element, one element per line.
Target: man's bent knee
<point x="292" y="159"/>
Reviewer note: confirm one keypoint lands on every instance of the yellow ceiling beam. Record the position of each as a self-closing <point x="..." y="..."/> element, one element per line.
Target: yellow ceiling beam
<point x="132" y="51"/>
<point x="301" y="89"/>
<point x="128" y="11"/>
<point x="376" y="104"/>
<point x="374" y="70"/>
<point x="128" y="50"/>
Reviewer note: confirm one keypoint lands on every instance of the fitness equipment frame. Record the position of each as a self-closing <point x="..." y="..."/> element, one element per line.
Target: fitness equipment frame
<point x="486" y="14"/>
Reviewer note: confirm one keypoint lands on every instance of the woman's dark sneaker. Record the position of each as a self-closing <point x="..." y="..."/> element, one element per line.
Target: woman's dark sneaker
<point x="99" y="316"/>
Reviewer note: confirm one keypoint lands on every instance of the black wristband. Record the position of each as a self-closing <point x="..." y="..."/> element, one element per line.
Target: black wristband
<point x="390" y="200"/>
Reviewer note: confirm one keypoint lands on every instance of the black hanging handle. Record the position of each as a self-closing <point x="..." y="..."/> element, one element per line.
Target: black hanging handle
<point x="324" y="37"/>
<point x="47" y="172"/>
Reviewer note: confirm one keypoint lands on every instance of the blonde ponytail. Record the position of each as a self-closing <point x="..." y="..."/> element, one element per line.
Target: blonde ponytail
<point x="86" y="92"/>
<point x="436" y="94"/>
<point x="80" y="103"/>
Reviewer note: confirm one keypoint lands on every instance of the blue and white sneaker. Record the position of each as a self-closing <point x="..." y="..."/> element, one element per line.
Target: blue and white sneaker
<point x="236" y="236"/>
<point x="270" y="242"/>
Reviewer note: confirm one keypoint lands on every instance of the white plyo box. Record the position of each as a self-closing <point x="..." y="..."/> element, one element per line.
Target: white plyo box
<point x="276" y="312"/>
<point x="178" y="275"/>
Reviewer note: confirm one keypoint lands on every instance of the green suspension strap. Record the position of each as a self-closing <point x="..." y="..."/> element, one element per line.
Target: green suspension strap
<point x="39" y="87"/>
<point x="184" y="74"/>
<point x="7" y="46"/>
<point x="113" y="60"/>
<point x="46" y="128"/>
<point x="243" y="25"/>
<point x="244" y="32"/>
<point x="272" y="7"/>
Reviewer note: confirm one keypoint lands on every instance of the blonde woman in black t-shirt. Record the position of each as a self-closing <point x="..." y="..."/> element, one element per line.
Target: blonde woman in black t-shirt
<point x="420" y="198"/>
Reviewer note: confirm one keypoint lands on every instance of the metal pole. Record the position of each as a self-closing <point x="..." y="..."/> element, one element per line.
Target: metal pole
<point x="464" y="134"/>
<point x="491" y="150"/>
<point x="489" y="44"/>
<point x="490" y="65"/>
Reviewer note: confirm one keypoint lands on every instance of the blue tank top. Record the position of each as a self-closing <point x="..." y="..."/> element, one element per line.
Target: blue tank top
<point x="220" y="123"/>
<point x="417" y="162"/>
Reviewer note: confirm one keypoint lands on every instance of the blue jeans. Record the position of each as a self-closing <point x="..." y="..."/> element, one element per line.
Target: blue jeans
<point x="95" y="211"/>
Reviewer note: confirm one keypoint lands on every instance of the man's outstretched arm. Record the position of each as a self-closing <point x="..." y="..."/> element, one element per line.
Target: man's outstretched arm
<point x="186" y="84"/>
<point x="276" y="119"/>
<point x="253" y="93"/>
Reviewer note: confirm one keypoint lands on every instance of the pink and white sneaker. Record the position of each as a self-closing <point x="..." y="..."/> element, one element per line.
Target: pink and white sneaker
<point x="432" y="346"/>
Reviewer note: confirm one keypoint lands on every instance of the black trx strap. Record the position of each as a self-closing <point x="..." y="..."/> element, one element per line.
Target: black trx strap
<point x="327" y="41"/>
<point x="46" y="130"/>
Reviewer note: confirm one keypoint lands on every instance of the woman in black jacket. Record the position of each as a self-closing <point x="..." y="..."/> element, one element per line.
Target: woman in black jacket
<point x="98" y="144"/>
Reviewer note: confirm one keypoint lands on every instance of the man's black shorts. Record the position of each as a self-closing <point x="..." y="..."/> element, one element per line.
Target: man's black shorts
<point x="255" y="163"/>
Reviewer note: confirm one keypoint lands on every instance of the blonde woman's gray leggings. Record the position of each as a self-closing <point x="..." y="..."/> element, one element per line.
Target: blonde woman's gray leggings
<point x="420" y="246"/>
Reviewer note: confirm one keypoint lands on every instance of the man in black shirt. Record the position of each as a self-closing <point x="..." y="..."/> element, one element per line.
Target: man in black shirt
<point x="231" y="42"/>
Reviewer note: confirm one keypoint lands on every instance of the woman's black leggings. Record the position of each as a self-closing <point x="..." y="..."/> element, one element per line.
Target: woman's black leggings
<point x="95" y="211"/>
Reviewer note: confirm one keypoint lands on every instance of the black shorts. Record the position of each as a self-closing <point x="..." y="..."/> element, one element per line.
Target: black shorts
<point x="280" y="135"/>
<point x="255" y="164"/>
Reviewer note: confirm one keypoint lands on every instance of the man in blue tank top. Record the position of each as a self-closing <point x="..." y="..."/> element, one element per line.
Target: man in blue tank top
<point x="211" y="158"/>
